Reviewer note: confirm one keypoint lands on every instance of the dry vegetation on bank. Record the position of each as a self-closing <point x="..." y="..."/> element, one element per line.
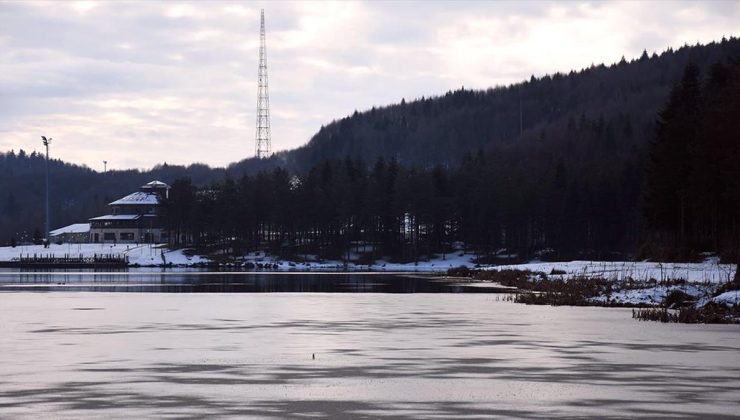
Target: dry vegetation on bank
<point x="670" y="300"/>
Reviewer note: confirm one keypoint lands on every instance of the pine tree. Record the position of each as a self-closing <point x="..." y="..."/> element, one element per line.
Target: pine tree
<point x="722" y="126"/>
<point x="669" y="166"/>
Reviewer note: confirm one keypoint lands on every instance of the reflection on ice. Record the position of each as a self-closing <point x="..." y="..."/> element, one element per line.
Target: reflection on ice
<point x="189" y="281"/>
<point x="377" y="355"/>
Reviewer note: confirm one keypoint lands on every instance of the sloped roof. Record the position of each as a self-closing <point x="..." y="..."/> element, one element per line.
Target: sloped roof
<point x="137" y="198"/>
<point x="74" y="228"/>
<point x="155" y="184"/>
<point x="117" y="217"/>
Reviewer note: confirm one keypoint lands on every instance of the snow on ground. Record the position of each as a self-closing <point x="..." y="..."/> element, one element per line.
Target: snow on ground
<point x="731" y="298"/>
<point x="144" y="255"/>
<point x="154" y="256"/>
<point x="651" y="295"/>
<point x="438" y="264"/>
<point x="702" y="278"/>
<point x="709" y="271"/>
<point x="151" y="255"/>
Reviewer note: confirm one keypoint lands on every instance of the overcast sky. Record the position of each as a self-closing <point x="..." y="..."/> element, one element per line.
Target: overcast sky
<point x="142" y="83"/>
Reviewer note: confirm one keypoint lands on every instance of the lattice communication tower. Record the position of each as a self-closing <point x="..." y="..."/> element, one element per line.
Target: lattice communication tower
<point x="262" y="137"/>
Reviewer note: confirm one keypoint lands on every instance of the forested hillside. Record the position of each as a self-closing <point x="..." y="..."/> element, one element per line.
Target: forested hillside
<point x="579" y="197"/>
<point x="622" y="98"/>
<point x="556" y="161"/>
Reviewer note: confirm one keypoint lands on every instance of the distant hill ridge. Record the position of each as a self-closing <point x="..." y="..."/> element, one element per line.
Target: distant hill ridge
<point x="442" y="129"/>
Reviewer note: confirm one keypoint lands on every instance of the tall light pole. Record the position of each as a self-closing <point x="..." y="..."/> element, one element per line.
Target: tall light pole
<point x="46" y="144"/>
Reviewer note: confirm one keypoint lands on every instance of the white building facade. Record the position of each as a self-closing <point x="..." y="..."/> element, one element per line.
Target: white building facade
<point x="135" y="218"/>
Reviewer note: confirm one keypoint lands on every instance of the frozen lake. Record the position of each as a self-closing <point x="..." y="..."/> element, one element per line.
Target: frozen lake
<point x="136" y="355"/>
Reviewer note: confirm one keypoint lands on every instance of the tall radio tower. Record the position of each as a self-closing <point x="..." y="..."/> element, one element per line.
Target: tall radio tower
<point x="262" y="137"/>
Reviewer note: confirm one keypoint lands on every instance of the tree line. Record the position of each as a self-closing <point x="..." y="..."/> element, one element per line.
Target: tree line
<point x="351" y="210"/>
<point x="692" y="190"/>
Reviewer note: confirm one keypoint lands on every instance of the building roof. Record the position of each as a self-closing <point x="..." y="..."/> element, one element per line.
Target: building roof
<point x="74" y="228"/>
<point x="137" y="198"/>
<point x="117" y="217"/>
<point x="155" y="184"/>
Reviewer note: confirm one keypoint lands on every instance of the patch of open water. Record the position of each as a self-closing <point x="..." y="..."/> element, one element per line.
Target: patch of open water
<point x="185" y="281"/>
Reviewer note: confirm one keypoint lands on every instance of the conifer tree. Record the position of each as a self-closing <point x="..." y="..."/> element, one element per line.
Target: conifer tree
<point x="669" y="167"/>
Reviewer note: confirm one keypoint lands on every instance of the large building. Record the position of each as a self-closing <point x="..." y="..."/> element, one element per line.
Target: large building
<point x="135" y="218"/>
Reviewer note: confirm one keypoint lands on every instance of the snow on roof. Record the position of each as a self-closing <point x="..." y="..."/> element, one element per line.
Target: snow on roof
<point x="117" y="217"/>
<point x="137" y="198"/>
<point x="74" y="228"/>
<point x="155" y="184"/>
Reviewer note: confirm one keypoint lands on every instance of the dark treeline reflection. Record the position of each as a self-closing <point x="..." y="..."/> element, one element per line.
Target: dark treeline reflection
<point x="230" y="282"/>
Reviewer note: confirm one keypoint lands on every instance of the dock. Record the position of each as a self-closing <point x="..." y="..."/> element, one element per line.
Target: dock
<point x="67" y="261"/>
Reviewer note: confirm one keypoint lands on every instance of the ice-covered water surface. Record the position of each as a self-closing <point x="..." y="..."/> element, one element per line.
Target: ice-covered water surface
<point x="132" y="355"/>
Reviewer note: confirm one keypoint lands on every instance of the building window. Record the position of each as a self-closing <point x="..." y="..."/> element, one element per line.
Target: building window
<point x="127" y="236"/>
<point x="109" y="236"/>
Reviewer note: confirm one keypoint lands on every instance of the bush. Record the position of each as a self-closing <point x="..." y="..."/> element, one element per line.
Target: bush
<point x="521" y="279"/>
<point x="711" y="313"/>
<point x="677" y="298"/>
<point x="460" y="271"/>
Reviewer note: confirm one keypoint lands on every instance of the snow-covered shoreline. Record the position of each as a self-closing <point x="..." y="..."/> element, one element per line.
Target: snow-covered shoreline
<point x="147" y="255"/>
<point x="625" y="283"/>
<point x="143" y="255"/>
<point x="644" y="283"/>
<point x="710" y="271"/>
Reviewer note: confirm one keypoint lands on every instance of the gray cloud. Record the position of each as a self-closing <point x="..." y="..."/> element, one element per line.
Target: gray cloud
<point x="143" y="82"/>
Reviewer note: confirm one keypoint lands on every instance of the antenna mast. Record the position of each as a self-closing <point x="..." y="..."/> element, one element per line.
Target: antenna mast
<point x="262" y="137"/>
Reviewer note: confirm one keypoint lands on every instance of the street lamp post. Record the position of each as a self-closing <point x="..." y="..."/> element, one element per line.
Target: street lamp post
<point x="46" y="144"/>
